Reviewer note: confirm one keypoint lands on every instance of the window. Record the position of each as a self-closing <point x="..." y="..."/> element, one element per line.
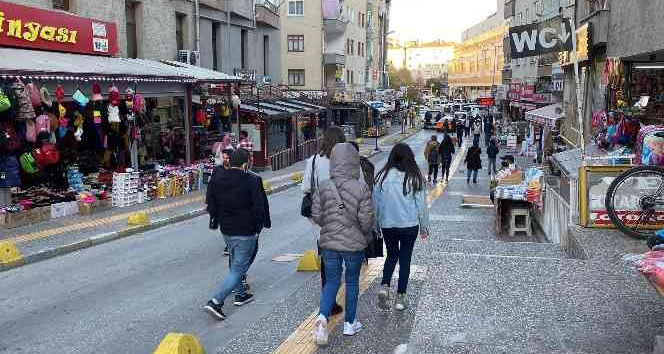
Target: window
<point x="359" y="48"/>
<point x="352" y="47"/>
<point x="132" y="35"/>
<point x="296" y="8"/>
<point x="243" y="48"/>
<point x="179" y="30"/>
<point x="527" y="16"/>
<point x="296" y="43"/>
<point x="215" y="50"/>
<point x="296" y="77"/>
<point x="61" y="5"/>
<point x="266" y="55"/>
<point x="352" y="77"/>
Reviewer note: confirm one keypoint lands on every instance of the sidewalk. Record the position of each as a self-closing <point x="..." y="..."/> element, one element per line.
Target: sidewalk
<point x="57" y="237"/>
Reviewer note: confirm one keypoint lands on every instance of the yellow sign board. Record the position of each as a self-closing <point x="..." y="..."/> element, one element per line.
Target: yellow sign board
<point x="582" y="47"/>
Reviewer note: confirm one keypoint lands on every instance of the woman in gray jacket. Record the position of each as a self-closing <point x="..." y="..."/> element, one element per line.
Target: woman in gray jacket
<point x="343" y="209"/>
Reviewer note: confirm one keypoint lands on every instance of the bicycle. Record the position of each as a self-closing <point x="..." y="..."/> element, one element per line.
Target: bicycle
<point x="635" y="201"/>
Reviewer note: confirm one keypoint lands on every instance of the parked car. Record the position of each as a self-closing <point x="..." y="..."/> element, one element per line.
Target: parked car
<point x="430" y="120"/>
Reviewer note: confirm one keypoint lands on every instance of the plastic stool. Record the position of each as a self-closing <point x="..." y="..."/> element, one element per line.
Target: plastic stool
<point x="524" y="226"/>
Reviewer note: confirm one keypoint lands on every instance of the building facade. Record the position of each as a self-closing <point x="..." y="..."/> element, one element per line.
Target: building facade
<point x="332" y="45"/>
<point x="478" y="61"/>
<point x="160" y="29"/>
<point x="428" y="60"/>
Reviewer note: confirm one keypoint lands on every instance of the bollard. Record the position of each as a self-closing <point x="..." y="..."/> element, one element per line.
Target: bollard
<point x="297" y="177"/>
<point x="179" y="343"/>
<point x="9" y="253"/>
<point x="267" y="186"/>
<point x="138" y="219"/>
<point x="309" y="262"/>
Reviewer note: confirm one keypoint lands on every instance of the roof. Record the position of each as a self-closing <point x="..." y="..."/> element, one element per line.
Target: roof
<point x="306" y="105"/>
<point x="548" y="115"/>
<point x="254" y="109"/>
<point x="267" y="105"/>
<point x="46" y="65"/>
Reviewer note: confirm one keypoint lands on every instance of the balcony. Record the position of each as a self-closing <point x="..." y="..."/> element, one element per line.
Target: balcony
<point x="334" y="59"/>
<point x="335" y="25"/>
<point x="334" y="20"/>
<point x="267" y="13"/>
<point x="599" y="24"/>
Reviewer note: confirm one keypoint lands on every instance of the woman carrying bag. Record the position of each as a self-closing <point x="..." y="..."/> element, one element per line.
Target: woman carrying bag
<point x="401" y="213"/>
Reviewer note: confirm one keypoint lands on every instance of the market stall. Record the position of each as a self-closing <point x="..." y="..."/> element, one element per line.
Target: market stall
<point x="515" y="192"/>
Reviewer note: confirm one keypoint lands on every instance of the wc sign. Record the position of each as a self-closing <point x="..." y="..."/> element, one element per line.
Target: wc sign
<point x="541" y="38"/>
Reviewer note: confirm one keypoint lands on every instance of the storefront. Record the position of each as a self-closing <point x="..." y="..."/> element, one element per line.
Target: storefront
<point x="353" y="115"/>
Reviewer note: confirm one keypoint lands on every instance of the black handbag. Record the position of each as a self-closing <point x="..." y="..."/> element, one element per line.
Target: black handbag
<point x="308" y="199"/>
<point x="375" y="248"/>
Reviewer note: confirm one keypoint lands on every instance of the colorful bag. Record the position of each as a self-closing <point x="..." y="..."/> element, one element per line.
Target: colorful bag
<point x="30" y="131"/>
<point x="10" y="172"/>
<point x="47" y="155"/>
<point x="5" y="102"/>
<point x="33" y="92"/>
<point x="9" y="142"/>
<point x="28" y="163"/>
<point x="650" y="145"/>
<point x="24" y="108"/>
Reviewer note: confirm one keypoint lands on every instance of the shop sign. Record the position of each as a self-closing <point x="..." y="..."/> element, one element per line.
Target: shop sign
<point x="528" y="107"/>
<point x="541" y="97"/>
<point x="486" y="101"/>
<point x="534" y="39"/>
<point x="527" y="90"/>
<point x="582" y="43"/>
<point x="33" y="28"/>
<point x="557" y="85"/>
<point x="514" y="92"/>
<point x="501" y="92"/>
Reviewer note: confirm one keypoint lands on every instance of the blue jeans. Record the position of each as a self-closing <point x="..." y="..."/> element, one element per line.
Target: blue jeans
<point x="473" y="173"/>
<point x="399" y="243"/>
<point x="492" y="165"/>
<point x="241" y="249"/>
<point x="333" y="261"/>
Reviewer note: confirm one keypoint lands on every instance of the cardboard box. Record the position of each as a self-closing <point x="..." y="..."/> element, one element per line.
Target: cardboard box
<point x="13" y="220"/>
<point x="58" y="210"/>
<point x="91" y="208"/>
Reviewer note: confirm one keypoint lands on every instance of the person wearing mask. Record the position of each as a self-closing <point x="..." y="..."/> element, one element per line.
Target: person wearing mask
<point x="459" y="133"/>
<point x="473" y="161"/>
<point x="319" y="166"/>
<point x="431" y="155"/>
<point x="446" y="150"/>
<point x="234" y="198"/>
<point x="488" y="131"/>
<point x="492" y="152"/>
<point x="401" y="213"/>
<point x="343" y="209"/>
<point x="477" y="130"/>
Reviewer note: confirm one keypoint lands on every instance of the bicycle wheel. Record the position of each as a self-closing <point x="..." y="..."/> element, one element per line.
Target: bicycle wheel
<point x="635" y="201"/>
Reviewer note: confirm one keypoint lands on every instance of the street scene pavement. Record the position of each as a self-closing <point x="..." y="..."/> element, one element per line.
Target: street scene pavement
<point x="471" y="292"/>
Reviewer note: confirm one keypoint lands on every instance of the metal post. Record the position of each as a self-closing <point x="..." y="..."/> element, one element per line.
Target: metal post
<point x="229" y="66"/>
<point x="197" y="12"/>
<point x="577" y="80"/>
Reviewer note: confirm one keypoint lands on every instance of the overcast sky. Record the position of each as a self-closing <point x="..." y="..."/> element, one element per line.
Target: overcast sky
<point x="437" y="19"/>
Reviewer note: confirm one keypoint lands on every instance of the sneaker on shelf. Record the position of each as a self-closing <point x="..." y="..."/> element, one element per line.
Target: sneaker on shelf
<point x="401" y="303"/>
<point x="242" y="300"/>
<point x="384" y="298"/>
<point x="215" y="310"/>
<point x="351" y="329"/>
<point x="337" y="309"/>
<point x="320" y="332"/>
<point x="226" y="253"/>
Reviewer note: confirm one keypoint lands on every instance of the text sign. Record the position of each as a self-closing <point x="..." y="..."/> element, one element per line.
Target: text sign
<point x="33" y="28"/>
<point x="540" y="38"/>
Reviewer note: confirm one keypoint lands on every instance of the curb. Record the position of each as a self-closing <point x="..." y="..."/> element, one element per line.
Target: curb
<point x="116" y="235"/>
<point x="130" y="231"/>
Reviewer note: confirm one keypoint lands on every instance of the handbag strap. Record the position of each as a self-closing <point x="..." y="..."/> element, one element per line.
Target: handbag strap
<point x="340" y="203"/>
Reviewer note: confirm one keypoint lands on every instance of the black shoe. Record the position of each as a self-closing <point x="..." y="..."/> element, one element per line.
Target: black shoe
<point x="215" y="310"/>
<point x="337" y="309"/>
<point x="474" y="182"/>
<point x="241" y="300"/>
<point x="226" y="253"/>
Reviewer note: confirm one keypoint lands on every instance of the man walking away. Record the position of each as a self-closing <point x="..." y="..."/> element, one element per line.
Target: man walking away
<point x="473" y="161"/>
<point x="492" y="151"/>
<point x="446" y="150"/>
<point x="431" y="155"/>
<point x="237" y="202"/>
<point x="468" y="123"/>
<point x="459" y="133"/>
<point x="477" y="130"/>
<point x="488" y="131"/>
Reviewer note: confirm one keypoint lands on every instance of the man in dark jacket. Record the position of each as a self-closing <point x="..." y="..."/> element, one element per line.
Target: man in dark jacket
<point x="446" y="150"/>
<point x="460" y="129"/>
<point x="488" y="131"/>
<point x="236" y="200"/>
<point x="492" y="152"/>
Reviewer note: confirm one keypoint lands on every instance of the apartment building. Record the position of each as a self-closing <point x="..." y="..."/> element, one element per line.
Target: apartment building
<point x="332" y="45"/>
<point x="233" y="36"/>
<point x="478" y="61"/>
<point x="425" y="60"/>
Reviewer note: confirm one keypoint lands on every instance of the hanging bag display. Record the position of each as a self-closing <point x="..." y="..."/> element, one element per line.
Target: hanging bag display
<point x="24" y="108"/>
<point x="28" y="163"/>
<point x="30" y="131"/>
<point x="47" y="155"/>
<point x="5" y="102"/>
<point x="308" y="200"/>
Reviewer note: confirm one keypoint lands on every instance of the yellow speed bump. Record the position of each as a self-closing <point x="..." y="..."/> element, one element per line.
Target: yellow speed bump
<point x="138" y="219"/>
<point x="267" y="186"/>
<point x="309" y="262"/>
<point x="9" y="254"/>
<point x="179" y="343"/>
<point x="297" y="177"/>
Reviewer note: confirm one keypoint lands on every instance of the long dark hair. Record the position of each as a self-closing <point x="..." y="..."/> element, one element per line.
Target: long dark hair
<point x="403" y="159"/>
<point x="332" y="136"/>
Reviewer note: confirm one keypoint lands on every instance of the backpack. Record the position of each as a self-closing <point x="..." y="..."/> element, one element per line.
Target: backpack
<point x="28" y="163"/>
<point x="33" y="93"/>
<point x="24" y="108"/>
<point x="30" y="131"/>
<point x="47" y="155"/>
<point x="433" y="155"/>
<point x="9" y="142"/>
<point x="649" y="146"/>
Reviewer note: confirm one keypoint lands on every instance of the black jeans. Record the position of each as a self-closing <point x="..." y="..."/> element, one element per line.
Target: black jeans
<point x="433" y="169"/>
<point x="459" y="137"/>
<point x="399" y="243"/>
<point x="445" y="169"/>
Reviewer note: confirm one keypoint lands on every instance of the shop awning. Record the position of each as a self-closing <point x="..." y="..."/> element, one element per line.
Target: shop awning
<point x="43" y="65"/>
<point x="289" y="110"/>
<point x="198" y="73"/>
<point x="548" y="115"/>
<point x="253" y="109"/>
<point x="305" y="109"/>
<point x="307" y="104"/>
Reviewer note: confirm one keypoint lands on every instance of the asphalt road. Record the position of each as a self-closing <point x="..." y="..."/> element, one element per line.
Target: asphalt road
<point x="125" y="296"/>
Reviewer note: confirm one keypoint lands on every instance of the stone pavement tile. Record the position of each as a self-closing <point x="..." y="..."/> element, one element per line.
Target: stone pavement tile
<point x="495" y="305"/>
<point x="494" y="248"/>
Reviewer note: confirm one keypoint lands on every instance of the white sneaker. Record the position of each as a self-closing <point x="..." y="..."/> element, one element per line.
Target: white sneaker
<point x="320" y="332"/>
<point x="352" y="328"/>
<point x="401" y="303"/>
<point x="384" y="298"/>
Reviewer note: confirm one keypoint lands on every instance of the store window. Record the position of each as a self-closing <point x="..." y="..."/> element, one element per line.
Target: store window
<point x="244" y="34"/>
<point x="61" y="5"/>
<point x="296" y="77"/>
<point x="296" y="8"/>
<point x="179" y="30"/>
<point x="296" y="43"/>
<point x="131" y="29"/>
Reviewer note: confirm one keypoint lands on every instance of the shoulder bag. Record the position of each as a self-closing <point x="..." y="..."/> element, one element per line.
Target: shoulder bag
<point x="375" y="247"/>
<point x="308" y="200"/>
